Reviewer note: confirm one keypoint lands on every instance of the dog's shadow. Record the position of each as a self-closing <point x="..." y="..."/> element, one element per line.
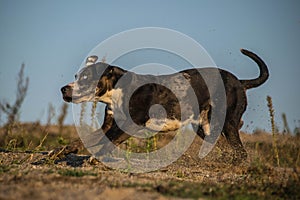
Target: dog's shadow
<point x="71" y="160"/>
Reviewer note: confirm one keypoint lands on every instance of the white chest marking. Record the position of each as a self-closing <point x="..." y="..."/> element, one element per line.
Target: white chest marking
<point x="113" y="98"/>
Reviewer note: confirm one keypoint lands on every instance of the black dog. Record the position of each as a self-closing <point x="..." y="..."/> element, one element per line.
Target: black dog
<point x="163" y="103"/>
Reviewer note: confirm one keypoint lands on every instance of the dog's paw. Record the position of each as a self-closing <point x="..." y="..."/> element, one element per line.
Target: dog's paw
<point x="106" y="150"/>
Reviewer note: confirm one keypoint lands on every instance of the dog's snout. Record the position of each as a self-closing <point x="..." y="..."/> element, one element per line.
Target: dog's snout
<point x="67" y="93"/>
<point x="63" y="89"/>
<point x="66" y="89"/>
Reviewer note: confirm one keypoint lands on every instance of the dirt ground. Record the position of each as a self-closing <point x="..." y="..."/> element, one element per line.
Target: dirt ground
<point x="33" y="175"/>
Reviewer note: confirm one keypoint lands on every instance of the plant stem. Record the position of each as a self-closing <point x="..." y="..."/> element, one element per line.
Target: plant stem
<point x="271" y="112"/>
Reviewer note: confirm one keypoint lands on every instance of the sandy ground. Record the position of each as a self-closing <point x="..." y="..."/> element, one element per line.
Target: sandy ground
<point x="34" y="176"/>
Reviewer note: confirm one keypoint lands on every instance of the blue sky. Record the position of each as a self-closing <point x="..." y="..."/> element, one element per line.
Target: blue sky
<point x="53" y="37"/>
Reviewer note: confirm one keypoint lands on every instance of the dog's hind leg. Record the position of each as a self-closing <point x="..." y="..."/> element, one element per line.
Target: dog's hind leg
<point x="232" y="135"/>
<point x="237" y="103"/>
<point x="202" y="128"/>
<point x="198" y="129"/>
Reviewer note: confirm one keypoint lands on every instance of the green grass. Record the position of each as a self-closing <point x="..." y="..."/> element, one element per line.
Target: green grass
<point x="4" y="168"/>
<point x="76" y="173"/>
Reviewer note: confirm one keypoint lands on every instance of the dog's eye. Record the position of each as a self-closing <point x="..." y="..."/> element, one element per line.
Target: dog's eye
<point x="76" y="77"/>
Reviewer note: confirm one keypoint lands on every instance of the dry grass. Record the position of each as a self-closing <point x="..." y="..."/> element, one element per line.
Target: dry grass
<point x="31" y="136"/>
<point x="213" y="177"/>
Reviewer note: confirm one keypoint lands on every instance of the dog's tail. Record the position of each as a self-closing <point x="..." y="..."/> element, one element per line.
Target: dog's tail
<point x="264" y="72"/>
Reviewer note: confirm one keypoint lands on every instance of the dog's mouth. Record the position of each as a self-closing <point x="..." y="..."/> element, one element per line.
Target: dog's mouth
<point x="78" y="99"/>
<point x="67" y="99"/>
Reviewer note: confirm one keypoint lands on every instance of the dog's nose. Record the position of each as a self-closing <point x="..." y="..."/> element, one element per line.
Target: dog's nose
<point x="63" y="89"/>
<point x="67" y="93"/>
<point x="66" y="89"/>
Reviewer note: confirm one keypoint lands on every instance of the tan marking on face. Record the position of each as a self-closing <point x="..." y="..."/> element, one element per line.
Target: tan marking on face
<point x="71" y="85"/>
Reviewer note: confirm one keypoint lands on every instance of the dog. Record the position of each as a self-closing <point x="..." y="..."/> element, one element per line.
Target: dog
<point x="163" y="103"/>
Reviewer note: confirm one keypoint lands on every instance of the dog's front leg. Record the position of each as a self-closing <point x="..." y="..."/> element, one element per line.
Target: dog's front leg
<point x="110" y="128"/>
<point x="97" y="137"/>
<point x="116" y="135"/>
<point x="113" y="138"/>
<point x="108" y="119"/>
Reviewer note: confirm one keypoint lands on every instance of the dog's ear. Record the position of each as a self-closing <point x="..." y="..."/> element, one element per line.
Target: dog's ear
<point x="115" y="72"/>
<point x="91" y="60"/>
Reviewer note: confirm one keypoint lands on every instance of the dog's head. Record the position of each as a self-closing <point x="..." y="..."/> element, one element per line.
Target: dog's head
<point x="92" y="83"/>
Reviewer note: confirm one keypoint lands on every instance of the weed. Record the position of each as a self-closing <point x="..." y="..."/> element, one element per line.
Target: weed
<point x="42" y="141"/>
<point x="82" y="113"/>
<point x="257" y="162"/>
<point x="180" y="174"/>
<point x="51" y="113"/>
<point x="93" y="114"/>
<point x="61" y="118"/>
<point x="104" y="59"/>
<point x="271" y="112"/>
<point x="12" y="144"/>
<point x="45" y="130"/>
<point x="286" y="127"/>
<point x="151" y="142"/>
<point x="12" y="111"/>
<point x="129" y="147"/>
<point x="62" y="141"/>
<point x="54" y="155"/>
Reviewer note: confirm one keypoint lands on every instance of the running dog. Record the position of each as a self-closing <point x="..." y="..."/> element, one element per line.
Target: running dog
<point x="164" y="103"/>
